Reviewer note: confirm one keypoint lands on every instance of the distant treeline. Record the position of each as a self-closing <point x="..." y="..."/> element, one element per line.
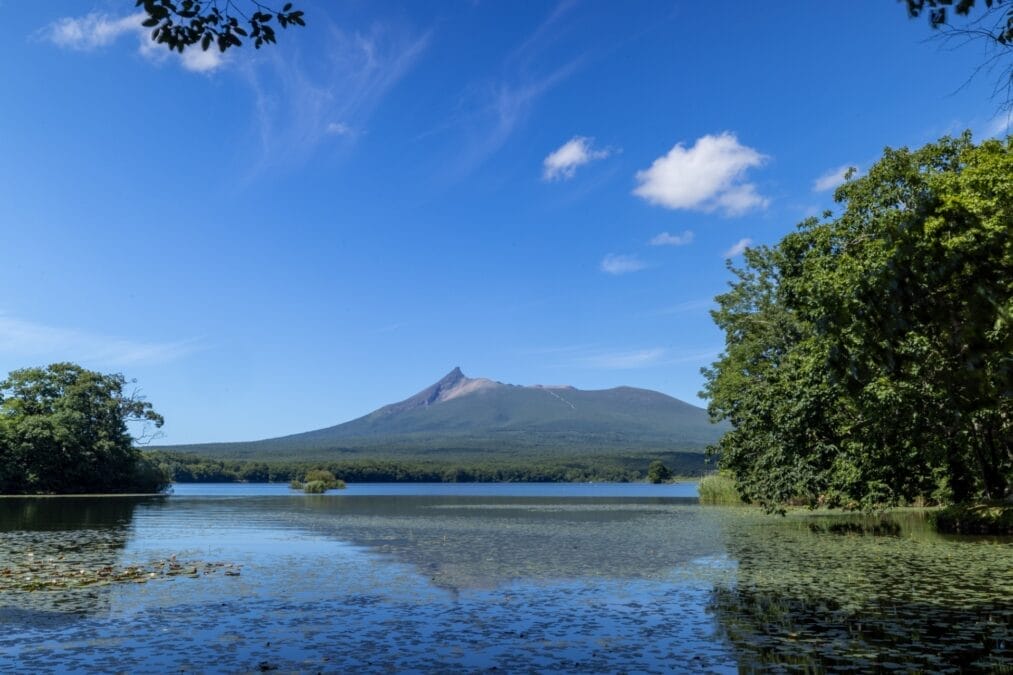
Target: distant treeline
<point x="187" y="468"/>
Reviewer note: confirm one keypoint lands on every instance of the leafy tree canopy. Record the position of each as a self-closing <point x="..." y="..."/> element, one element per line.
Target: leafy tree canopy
<point x="657" y="472"/>
<point x="63" y="429"/>
<point x="224" y="23"/>
<point x="869" y="357"/>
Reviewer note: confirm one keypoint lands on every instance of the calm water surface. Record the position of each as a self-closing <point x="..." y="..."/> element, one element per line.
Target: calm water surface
<point x="474" y="577"/>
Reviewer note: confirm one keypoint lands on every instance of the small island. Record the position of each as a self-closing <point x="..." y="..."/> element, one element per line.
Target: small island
<point x="317" y="481"/>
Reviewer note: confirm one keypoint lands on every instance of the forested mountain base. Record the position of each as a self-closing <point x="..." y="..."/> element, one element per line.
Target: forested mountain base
<point x="186" y="468"/>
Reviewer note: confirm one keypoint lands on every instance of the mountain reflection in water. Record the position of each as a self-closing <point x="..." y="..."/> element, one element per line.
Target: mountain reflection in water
<point x="454" y="582"/>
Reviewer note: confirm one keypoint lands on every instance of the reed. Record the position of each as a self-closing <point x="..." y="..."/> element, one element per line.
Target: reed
<point x="718" y="489"/>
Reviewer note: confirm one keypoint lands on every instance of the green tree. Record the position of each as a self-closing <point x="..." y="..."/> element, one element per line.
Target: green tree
<point x="870" y="355"/>
<point x="64" y="429"/>
<point x="657" y="472"/>
<point x="223" y="23"/>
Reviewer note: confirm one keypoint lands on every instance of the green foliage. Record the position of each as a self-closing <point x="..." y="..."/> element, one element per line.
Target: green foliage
<point x="869" y="355"/>
<point x="189" y="468"/>
<point x="657" y="472"/>
<point x="186" y="23"/>
<point x="315" y="487"/>
<point x="322" y="475"/>
<point x="318" y="481"/>
<point x="718" y="488"/>
<point x="63" y="429"/>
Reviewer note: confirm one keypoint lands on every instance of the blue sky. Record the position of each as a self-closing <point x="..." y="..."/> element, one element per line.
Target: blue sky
<point x="281" y="240"/>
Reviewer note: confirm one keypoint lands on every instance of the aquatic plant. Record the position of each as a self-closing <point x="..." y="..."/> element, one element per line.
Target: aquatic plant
<point x="870" y="594"/>
<point x="718" y="488"/>
<point x="48" y="573"/>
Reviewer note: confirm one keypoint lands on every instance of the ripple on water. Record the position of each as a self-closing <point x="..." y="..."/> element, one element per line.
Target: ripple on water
<point x="452" y="583"/>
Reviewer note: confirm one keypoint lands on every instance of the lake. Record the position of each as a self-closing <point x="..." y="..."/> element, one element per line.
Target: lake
<point x="475" y="577"/>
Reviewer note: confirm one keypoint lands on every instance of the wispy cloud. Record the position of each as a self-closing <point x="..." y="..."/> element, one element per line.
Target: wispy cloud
<point x="638" y="358"/>
<point x="621" y="264"/>
<point x="489" y="111"/>
<point x="598" y="357"/>
<point x="339" y="129"/>
<point x="629" y="359"/>
<point x="91" y="31"/>
<point x="709" y="176"/>
<point x="832" y="178"/>
<point x="666" y="239"/>
<point x="492" y="111"/>
<point x="300" y="105"/>
<point x="562" y="163"/>
<point x="95" y="31"/>
<point x="26" y="339"/>
<point x="738" y="247"/>
<point x="1001" y="125"/>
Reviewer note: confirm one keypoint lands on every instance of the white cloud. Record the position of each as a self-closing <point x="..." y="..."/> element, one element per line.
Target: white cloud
<point x="621" y="264"/>
<point x="832" y="178"/>
<point x="666" y="239"/>
<point x="562" y="163"/>
<point x="738" y="247"/>
<point x="339" y="129"/>
<point x="93" y="31"/>
<point x="709" y="176"/>
<point x="26" y="339"/>
<point x="198" y="60"/>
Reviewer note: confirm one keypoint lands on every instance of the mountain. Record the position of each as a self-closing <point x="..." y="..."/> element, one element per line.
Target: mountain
<point x="460" y="417"/>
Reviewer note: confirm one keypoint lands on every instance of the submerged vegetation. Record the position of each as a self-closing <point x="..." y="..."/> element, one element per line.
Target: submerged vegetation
<point x="869" y="356"/>
<point x="821" y="593"/>
<point x="35" y="573"/>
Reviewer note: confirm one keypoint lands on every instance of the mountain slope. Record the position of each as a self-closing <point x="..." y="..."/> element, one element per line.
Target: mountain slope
<point x="461" y="416"/>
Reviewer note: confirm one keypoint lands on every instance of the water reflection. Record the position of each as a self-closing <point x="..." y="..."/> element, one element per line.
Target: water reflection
<point x="460" y="543"/>
<point x="867" y="594"/>
<point x="54" y="543"/>
<point x="452" y="583"/>
<point x="455" y="543"/>
<point x="46" y="514"/>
